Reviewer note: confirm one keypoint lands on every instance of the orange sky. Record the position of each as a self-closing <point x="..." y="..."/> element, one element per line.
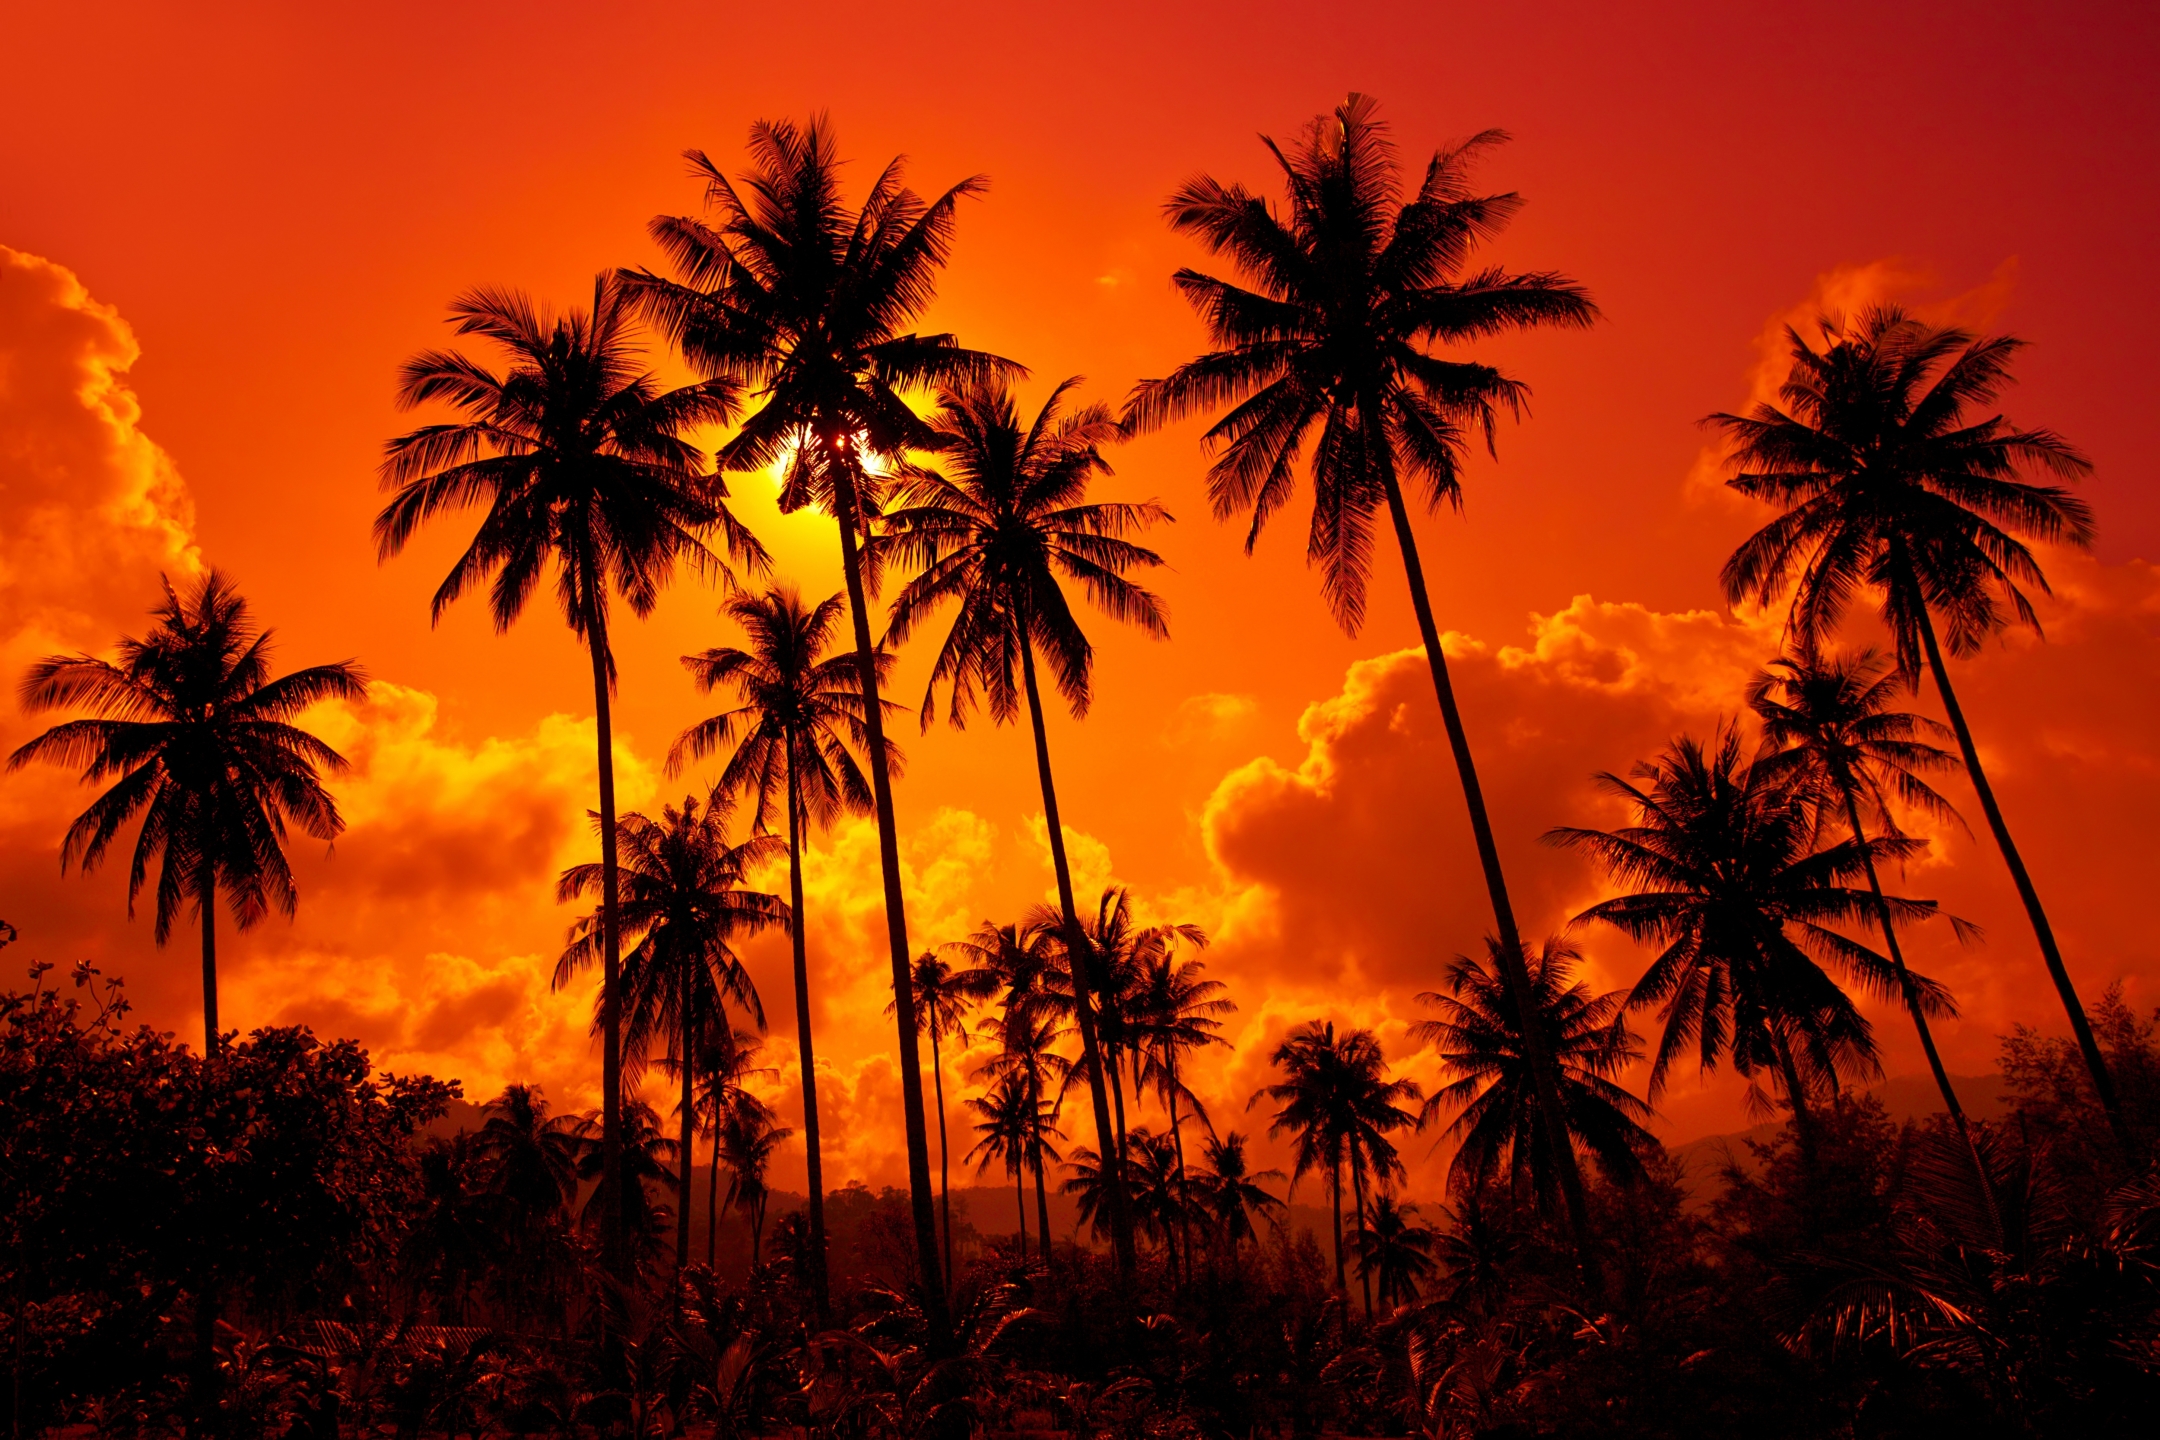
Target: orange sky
<point x="224" y="235"/>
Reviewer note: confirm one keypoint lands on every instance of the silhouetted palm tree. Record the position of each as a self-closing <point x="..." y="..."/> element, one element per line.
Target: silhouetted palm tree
<point x="1337" y="1101"/>
<point x="682" y="895"/>
<point x="748" y="1138"/>
<point x="1734" y="888"/>
<point x="1161" y="1201"/>
<point x="727" y="1060"/>
<point x="579" y="460"/>
<point x="944" y="994"/>
<point x="1395" y="1249"/>
<point x="1352" y="287"/>
<point x="792" y="293"/>
<point x="1889" y="483"/>
<point x="647" y="1157"/>
<point x="795" y="736"/>
<point x="1010" y="1117"/>
<point x="198" y="740"/>
<point x="997" y="527"/>
<point x="1232" y="1191"/>
<point x="1829" y="721"/>
<point x="1025" y="1057"/>
<point x="1479" y="1037"/>
<point x="1173" y="1012"/>
<point x="532" y="1156"/>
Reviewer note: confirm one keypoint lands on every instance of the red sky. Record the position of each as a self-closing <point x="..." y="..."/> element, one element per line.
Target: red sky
<point x="227" y="229"/>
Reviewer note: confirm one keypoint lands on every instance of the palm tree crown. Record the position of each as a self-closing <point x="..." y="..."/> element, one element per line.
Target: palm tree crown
<point x="198" y="740"/>
<point x="1479" y="1036"/>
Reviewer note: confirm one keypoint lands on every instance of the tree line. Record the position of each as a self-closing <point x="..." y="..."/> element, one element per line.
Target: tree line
<point x="1754" y="861"/>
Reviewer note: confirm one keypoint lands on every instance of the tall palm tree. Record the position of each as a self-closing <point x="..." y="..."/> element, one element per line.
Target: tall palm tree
<point x="1340" y="1106"/>
<point x="1010" y="1114"/>
<point x="198" y="740"/>
<point x="727" y="1062"/>
<point x="945" y="994"/>
<point x="1829" y="720"/>
<point x="791" y="292"/>
<point x="748" y="1138"/>
<point x="1479" y="1036"/>
<point x="1890" y="483"/>
<point x="1231" y="1189"/>
<point x="1734" y="887"/>
<point x="1332" y="342"/>
<point x="682" y="895"/>
<point x="795" y="736"/>
<point x="995" y="525"/>
<point x="578" y="458"/>
<point x="1396" y="1249"/>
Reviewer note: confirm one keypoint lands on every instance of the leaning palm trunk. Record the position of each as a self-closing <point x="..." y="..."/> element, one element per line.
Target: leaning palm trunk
<point x="612" y="1248"/>
<point x="1919" y="1017"/>
<point x="689" y="1129"/>
<point x="1537" y="1045"/>
<point x="1042" y="1203"/>
<point x="814" y="1157"/>
<point x="944" y="1156"/>
<point x="1177" y="1142"/>
<point x="2095" y="1063"/>
<point x="1112" y="1153"/>
<point x="847" y="511"/>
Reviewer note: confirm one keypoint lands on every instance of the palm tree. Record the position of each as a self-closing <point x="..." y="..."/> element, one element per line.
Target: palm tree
<point x="1025" y="1057"/>
<point x="198" y="740"/>
<point x="645" y="1162"/>
<point x="682" y="895"/>
<point x="1010" y="1116"/>
<point x="1395" y="1249"/>
<point x="795" y="736"/>
<point x="727" y="1060"/>
<point x="579" y="460"/>
<point x="1735" y="889"/>
<point x="1336" y="1100"/>
<point x="792" y="293"/>
<point x="748" y="1138"/>
<point x="1479" y="1036"/>
<point x="996" y="528"/>
<point x="1888" y="483"/>
<point x="1829" y="721"/>
<point x="944" y="994"/>
<point x="1351" y="288"/>
<point x="531" y="1160"/>
<point x="1174" y="1008"/>
<point x="1232" y="1190"/>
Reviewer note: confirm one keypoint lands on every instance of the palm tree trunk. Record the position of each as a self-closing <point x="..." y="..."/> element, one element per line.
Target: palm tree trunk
<point x="2095" y="1062"/>
<point x="911" y="1096"/>
<point x="1536" y="1044"/>
<point x="712" y="1201"/>
<point x="207" y="903"/>
<point x="1042" y="1206"/>
<point x="1177" y="1143"/>
<point x="689" y="1130"/>
<point x="611" y="1218"/>
<point x="1796" y="1096"/>
<point x="1020" y="1203"/>
<point x="1117" y="1095"/>
<point x="944" y="1159"/>
<point x="1357" y="1182"/>
<point x="1112" y="1158"/>
<point x="813" y="1147"/>
<point x="1342" y="1283"/>
<point x="1912" y="1003"/>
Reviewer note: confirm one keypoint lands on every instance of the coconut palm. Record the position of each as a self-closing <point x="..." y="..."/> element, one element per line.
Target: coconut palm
<point x="578" y="458"/>
<point x="748" y="1138"/>
<point x="996" y="525"/>
<point x="1734" y="887"/>
<point x="1828" y="720"/>
<point x="1010" y="1117"/>
<point x="1891" y="483"/>
<point x="945" y="993"/>
<point x="727" y="1062"/>
<point x="1025" y="1057"/>
<point x="1395" y="1249"/>
<point x="1231" y="1189"/>
<point x="1173" y="1010"/>
<point x="795" y="737"/>
<point x="1331" y="343"/>
<point x="790" y="291"/>
<point x="198" y="741"/>
<point x="1337" y="1102"/>
<point x="646" y="1165"/>
<point x="682" y="895"/>
<point x="532" y="1157"/>
<point x="1500" y="1125"/>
